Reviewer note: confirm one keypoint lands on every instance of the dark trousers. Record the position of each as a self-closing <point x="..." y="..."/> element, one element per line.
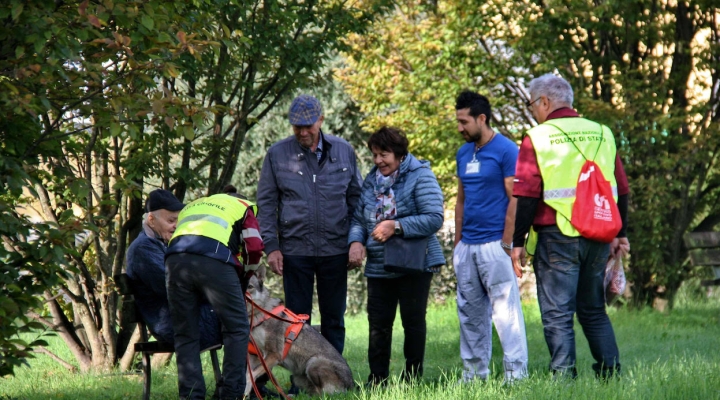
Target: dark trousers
<point x="299" y="273"/>
<point x="570" y="273"/>
<point x="411" y="292"/>
<point x="189" y="278"/>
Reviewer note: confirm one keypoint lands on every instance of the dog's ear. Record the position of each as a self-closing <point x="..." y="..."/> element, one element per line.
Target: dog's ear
<point x="261" y="272"/>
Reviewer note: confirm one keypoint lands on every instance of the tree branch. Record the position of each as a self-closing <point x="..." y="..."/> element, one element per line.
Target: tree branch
<point x="67" y="365"/>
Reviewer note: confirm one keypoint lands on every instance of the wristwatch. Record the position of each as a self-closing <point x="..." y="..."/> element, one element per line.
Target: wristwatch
<point x="398" y="228"/>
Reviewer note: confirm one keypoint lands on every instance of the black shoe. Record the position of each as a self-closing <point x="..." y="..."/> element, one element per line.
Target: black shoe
<point x="265" y="393"/>
<point x="411" y="376"/>
<point x="567" y="373"/>
<point x="375" y="381"/>
<point x="293" y="391"/>
<point x="605" y="374"/>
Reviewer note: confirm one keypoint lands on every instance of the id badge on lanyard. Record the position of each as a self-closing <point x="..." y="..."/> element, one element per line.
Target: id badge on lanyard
<point x="473" y="167"/>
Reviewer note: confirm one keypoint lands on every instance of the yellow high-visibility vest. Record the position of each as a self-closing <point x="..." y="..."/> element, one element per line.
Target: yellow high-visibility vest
<point x="212" y="217"/>
<point x="558" y="144"/>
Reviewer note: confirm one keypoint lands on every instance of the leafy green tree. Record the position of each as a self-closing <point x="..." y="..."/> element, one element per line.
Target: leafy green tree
<point x="409" y="68"/>
<point x="27" y="246"/>
<point x="108" y="99"/>
<point x="647" y="69"/>
<point x="265" y="50"/>
<point x="342" y="119"/>
<point x="76" y="77"/>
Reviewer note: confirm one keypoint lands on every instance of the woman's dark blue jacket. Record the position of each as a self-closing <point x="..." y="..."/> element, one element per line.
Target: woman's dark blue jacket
<point x="419" y="202"/>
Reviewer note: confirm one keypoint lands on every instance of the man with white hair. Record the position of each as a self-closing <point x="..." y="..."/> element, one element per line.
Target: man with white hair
<point x="569" y="268"/>
<point x="146" y="270"/>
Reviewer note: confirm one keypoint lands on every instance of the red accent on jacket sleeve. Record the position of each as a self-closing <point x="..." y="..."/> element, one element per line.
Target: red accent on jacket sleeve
<point x="252" y="244"/>
<point x="623" y="187"/>
<point x="528" y="181"/>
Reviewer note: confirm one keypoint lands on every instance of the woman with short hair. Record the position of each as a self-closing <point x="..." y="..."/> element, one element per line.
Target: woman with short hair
<point x="400" y="196"/>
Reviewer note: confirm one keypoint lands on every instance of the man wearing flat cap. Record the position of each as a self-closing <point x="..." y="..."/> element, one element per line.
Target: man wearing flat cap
<point x="146" y="270"/>
<point x="308" y="189"/>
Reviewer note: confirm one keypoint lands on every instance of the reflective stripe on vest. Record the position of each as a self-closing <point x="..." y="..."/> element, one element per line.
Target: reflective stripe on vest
<point x="208" y="218"/>
<point x="567" y="192"/>
<point x="560" y="162"/>
<point x="212" y="217"/>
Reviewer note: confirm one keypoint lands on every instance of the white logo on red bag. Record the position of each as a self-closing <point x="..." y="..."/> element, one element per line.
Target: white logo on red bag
<point x="586" y="176"/>
<point x="601" y="201"/>
<point x="602" y="208"/>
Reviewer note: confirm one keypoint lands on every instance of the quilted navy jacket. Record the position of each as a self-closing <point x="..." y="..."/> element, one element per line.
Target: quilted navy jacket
<point x="146" y="269"/>
<point x="419" y="202"/>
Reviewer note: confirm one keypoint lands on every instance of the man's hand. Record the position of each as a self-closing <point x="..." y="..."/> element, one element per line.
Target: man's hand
<point x="620" y="247"/>
<point x="356" y="255"/>
<point x="383" y="230"/>
<point x="518" y="256"/>
<point x="275" y="261"/>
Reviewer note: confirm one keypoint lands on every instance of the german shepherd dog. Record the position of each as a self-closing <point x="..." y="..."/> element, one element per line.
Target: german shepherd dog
<point x="316" y="366"/>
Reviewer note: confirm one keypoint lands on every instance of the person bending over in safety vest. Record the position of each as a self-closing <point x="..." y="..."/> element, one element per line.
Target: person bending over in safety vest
<point x="212" y="254"/>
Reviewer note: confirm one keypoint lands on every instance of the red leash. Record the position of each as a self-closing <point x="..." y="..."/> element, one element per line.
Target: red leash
<point x="291" y="333"/>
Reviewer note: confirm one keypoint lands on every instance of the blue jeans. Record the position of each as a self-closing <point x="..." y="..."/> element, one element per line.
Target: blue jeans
<point x="299" y="273"/>
<point x="570" y="273"/>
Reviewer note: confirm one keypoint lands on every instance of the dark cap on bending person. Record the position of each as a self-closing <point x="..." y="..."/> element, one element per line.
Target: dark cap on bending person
<point x="161" y="199"/>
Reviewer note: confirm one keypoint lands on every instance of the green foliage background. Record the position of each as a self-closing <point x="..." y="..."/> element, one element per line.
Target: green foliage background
<point x="105" y="100"/>
<point x="647" y="69"/>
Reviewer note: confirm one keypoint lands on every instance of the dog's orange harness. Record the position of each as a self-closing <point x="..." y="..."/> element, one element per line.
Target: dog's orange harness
<point x="291" y="333"/>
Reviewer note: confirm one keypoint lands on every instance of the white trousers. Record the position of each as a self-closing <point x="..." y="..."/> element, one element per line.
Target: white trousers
<point x="487" y="292"/>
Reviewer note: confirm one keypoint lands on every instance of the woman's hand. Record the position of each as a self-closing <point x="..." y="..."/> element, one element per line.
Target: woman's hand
<point x="383" y="230"/>
<point x="356" y="255"/>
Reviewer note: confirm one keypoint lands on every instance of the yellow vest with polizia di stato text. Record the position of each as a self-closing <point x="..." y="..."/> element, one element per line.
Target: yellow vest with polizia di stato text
<point x="560" y="161"/>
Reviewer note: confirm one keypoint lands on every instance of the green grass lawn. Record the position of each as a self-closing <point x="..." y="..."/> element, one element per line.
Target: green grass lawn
<point x="664" y="356"/>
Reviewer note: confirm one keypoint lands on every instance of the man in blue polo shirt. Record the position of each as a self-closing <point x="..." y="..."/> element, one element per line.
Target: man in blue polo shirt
<point x="487" y="289"/>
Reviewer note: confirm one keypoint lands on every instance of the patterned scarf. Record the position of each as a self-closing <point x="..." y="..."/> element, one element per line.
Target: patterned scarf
<point x="385" y="207"/>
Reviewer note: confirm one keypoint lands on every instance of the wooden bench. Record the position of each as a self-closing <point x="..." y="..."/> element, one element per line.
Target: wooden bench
<point x="704" y="250"/>
<point x="146" y="347"/>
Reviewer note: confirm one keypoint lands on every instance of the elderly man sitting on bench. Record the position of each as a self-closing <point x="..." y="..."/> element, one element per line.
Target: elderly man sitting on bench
<point x="146" y="270"/>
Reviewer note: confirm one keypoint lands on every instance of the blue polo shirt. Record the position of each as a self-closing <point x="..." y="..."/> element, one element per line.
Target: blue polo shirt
<point x="485" y="198"/>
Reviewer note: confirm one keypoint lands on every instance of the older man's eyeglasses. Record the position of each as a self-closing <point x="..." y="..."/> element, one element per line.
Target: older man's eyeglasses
<point x="529" y="104"/>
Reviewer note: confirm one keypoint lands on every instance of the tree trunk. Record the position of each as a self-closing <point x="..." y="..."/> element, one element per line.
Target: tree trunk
<point x="126" y="362"/>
